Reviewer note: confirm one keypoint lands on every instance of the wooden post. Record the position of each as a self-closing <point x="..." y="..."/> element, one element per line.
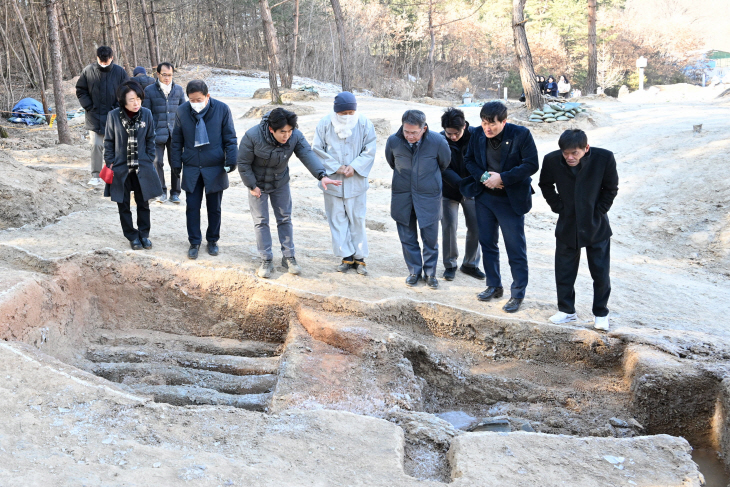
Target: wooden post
<point x="64" y="135"/>
<point x="522" y="49"/>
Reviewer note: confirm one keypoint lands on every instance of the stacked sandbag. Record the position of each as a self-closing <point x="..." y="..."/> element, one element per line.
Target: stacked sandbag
<point x="556" y="112"/>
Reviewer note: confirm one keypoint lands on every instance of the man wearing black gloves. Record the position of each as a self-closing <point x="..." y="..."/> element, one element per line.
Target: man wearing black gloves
<point x="501" y="158"/>
<point x="458" y="133"/>
<point x="587" y="183"/>
<point x="263" y="163"/>
<point x="204" y="149"/>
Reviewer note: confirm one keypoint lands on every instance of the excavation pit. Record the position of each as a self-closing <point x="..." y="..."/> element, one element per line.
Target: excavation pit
<point x="201" y="337"/>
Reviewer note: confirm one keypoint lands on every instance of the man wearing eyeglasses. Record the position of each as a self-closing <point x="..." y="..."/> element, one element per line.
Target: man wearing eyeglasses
<point x="162" y="99"/>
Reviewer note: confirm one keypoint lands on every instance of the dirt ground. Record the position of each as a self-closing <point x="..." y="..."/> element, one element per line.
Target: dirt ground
<point x="670" y="274"/>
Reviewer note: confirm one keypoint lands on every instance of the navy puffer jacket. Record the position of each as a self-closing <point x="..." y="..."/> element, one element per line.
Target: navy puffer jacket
<point x="163" y="108"/>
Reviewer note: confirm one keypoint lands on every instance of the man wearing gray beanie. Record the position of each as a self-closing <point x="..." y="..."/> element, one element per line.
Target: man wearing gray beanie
<point x="345" y="142"/>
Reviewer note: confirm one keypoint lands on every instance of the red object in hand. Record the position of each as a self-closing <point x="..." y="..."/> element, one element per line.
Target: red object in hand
<point x="106" y="174"/>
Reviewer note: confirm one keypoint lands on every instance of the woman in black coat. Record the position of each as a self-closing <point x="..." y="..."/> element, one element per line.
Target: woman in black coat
<point x="129" y="150"/>
<point x="551" y="87"/>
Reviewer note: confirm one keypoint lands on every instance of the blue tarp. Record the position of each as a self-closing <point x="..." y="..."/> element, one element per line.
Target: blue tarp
<point x="28" y="111"/>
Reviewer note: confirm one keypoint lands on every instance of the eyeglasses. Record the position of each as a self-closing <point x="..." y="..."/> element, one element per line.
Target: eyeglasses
<point x="165" y="75"/>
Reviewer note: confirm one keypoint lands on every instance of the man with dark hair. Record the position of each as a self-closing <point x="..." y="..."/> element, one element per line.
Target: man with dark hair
<point x="263" y="163"/>
<point x="417" y="157"/>
<point x="140" y="76"/>
<point x="163" y="98"/>
<point x="204" y="148"/>
<point x="501" y="158"/>
<point x="587" y="183"/>
<point x="458" y="133"/>
<point x="96" y="90"/>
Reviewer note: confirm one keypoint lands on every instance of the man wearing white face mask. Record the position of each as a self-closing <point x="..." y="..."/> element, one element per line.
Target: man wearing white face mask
<point x="345" y="142"/>
<point x="96" y="90"/>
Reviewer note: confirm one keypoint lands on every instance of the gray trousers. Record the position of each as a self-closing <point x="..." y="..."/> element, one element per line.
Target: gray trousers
<point x="449" y="226"/>
<point x="408" y="235"/>
<point x="346" y="217"/>
<point x="97" y="153"/>
<point x="281" y="203"/>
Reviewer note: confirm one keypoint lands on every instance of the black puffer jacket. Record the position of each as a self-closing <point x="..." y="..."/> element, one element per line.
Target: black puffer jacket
<point x="264" y="162"/>
<point x="163" y="108"/>
<point x="96" y="90"/>
<point x="457" y="170"/>
<point x="144" y="80"/>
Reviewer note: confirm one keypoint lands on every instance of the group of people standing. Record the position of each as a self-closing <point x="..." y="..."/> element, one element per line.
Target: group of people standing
<point x="550" y="87"/>
<point x="486" y="171"/>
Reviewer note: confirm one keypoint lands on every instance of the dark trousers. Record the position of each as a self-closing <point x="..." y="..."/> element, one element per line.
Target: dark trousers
<point x="125" y="211"/>
<point x="160" y="165"/>
<point x="566" y="270"/>
<point x="415" y="261"/>
<point x="449" y="227"/>
<point x="194" y="200"/>
<point x="495" y="213"/>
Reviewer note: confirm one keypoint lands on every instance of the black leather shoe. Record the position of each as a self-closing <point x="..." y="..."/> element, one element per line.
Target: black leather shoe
<point x="490" y="293"/>
<point x="135" y="244"/>
<point x="146" y="243"/>
<point x="193" y="251"/>
<point x="432" y="282"/>
<point x="450" y="273"/>
<point x="212" y="248"/>
<point x="412" y="279"/>
<point x="512" y="305"/>
<point x="473" y="272"/>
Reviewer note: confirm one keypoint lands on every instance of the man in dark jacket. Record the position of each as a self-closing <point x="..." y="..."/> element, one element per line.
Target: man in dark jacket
<point x="263" y="163"/>
<point x="417" y="157"/>
<point x="501" y="158"/>
<point x="458" y="133"/>
<point x="163" y="98"/>
<point x="96" y="90"/>
<point x="140" y="76"/>
<point x="204" y="148"/>
<point x="587" y="183"/>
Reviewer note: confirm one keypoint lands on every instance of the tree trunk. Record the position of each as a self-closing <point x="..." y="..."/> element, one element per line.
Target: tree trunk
<point x="117" y="29"/>
<point x="272" y="50"/>
<point x="154" y="28"/>
<point x="71" y="61"/>
<point x="64" y="135"/>
<point x="36" y="60"/>
<point x="344" y="58"/>
<point x="131" y="34"/>
<point x="431" y="65"/>
<point x="102" y="20"/>
<point x="590" y="85"/>
<point x="527" y="72"/>
<point x="154" y="60"/>
<point x="288" y="79"/>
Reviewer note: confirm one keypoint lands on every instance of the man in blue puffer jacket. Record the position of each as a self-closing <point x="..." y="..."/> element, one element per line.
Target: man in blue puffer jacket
<point x="162" y="99"/>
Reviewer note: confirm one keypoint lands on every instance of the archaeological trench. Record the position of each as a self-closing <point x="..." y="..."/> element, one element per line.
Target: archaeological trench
<point x="456" y="397"/>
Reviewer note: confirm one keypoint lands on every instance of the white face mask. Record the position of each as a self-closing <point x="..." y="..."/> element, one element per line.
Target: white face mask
<point x="198" y="107"/>
<point x="345" y="120"/>
<point x="103" y="65"/>
<point x="343" y="124"/>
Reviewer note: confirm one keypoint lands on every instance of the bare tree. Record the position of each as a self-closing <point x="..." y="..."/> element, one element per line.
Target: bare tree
<point x="117" y="30"/>
<point x="154" y="59"/>
<point x="272" y="49"/>
<point x="40" y="80"/>
<point x="64" y="135"/>
<point x="287" y="78"/>
<point x="431" y="49"/>
<point x="131" y="33"/>
<point x="344" y="58"/>
<point x="590" y="84"/>
<point x="522" y="49"/>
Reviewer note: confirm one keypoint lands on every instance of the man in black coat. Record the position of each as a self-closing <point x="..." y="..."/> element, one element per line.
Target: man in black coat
<point x="587" y="183"/>
<point x="96" y="90"/>
<point x="458" y="133"/>
<point x="163" y="98"/>
<point x="204" y="149"/>
<point x="417" y="156"/>
<point x="501" y="158"/>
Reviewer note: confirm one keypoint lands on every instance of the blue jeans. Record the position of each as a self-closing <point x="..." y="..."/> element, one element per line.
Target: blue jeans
<point x="495" y="213"/>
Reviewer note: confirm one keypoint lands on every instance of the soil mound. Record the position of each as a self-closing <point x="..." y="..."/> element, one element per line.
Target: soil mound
<point x="286" y="95"/>
<point x="261" y="110"/>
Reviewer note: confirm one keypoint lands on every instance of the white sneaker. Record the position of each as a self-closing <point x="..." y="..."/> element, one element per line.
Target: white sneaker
<point x="601" y="323"/>
<point x="95" y="181"/>
<point x="560" y="318"/>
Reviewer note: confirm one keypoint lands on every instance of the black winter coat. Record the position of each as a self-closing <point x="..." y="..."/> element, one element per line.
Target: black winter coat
<point x="457" y="170"/>
<point x="144" y="80"/>
<point x="115" y="156"/>
<point x="207" y="160"/>
<point x="582" y="201"/>
<point x="417" y="182"/>
<point x="519" y="162"/>
<point x="163" y="108"/>
<point x="264" y="162"/>
<point x="97" y="93"/>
